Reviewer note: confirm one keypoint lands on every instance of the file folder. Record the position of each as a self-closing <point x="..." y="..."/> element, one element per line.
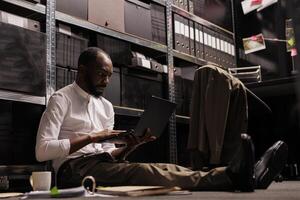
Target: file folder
<point x="177" y="33"/>
<point x="192" y="38"/>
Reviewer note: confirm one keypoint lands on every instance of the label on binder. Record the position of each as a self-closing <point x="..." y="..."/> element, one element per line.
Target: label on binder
<point x="177" y="27"/>
<point x="197" y="35"/>
<point x="201" y="37"/>
<point x="213" y="44"/>
<point x="186" y="31"/>
<point x="192" y="33"/>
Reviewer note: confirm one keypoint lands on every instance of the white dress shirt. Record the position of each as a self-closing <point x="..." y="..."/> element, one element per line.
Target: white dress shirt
<point x="72" y="112"/>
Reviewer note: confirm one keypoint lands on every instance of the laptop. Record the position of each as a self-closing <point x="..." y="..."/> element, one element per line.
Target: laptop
<point x="156" y="117"/>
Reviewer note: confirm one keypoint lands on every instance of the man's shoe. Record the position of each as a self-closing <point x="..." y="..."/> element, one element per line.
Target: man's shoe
<point x="270" y="164"/>
<point x="241" y="169"/>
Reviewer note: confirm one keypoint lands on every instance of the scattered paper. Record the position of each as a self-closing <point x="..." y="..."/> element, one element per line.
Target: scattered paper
<point x="254" y="43"/>
<point x="248" y="7"/>
<point x="266" y="3"/>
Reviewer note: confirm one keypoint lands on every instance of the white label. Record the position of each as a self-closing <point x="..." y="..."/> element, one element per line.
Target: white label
<point x="146" y="63"/>
<point x="181" y="28"/>
<point x="16" y="20"/>
<point x="177" y="27"/>
<point x="209" y="40"/>
<point x="213" y="44"/>
<point x="201" y="37"/>
<point x="205" y="39"/>
<point x="222" y="45"/>
<point x="229" y="48"/>
<point x="226" y="47"/>
<point x="64" y="29"/>
<point x="186" y="31"/>
<point x="218" y="44"/>
<point x="192" y="33"/>
<point x="233" y="50"/>
<point x="197" y="35"/>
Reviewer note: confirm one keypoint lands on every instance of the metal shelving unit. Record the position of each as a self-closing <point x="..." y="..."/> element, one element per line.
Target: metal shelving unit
<point x="17" y="96"/>
<point x="52" y="16"/>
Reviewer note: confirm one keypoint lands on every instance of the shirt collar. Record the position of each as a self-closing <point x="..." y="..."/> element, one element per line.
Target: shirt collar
<point x="81" y="92"/>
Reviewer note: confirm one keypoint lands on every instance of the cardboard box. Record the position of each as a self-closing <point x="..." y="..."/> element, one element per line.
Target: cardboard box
<point x="107" y="13"/>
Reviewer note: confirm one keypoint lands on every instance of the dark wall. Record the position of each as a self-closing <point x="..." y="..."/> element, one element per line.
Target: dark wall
<point x="275" y="60"/>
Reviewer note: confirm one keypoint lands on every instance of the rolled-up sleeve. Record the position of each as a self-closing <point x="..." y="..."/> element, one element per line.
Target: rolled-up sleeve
<point x="109" y="147"/>
<point x="48" y="146"/>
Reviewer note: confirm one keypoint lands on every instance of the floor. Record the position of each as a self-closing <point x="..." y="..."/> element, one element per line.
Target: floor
<point x="286" y="190"/>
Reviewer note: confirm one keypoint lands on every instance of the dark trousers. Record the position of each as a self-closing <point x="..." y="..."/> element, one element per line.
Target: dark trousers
<point x="107" y="172"/>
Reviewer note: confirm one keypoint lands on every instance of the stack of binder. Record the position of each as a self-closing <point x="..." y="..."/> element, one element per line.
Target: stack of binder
<point x="64" y="76"/>
<point x="119" y="51"/>
<point x="184" y="35"/>
<point x="68" y="49"/>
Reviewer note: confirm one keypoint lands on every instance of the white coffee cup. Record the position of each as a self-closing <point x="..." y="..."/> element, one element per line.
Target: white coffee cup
<point x="40" y="181"/>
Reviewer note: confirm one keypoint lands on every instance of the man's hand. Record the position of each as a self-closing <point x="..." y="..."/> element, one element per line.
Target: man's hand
<point x="104" y="135"/>
<point x="135" y="141"/>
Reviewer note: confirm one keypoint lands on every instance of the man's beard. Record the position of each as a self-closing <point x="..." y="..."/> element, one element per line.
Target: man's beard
<point x="93" y="89"/>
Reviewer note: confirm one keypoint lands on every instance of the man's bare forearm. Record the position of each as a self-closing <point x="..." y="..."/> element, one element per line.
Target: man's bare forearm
<point x="79" y="142"/>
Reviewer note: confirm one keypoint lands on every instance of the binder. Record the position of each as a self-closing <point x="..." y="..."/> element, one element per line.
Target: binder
<point x="60" y="78"/>
<point x="182" y="34"/>
<point x="201" y="39"/>
<point x="214" y="47"/>
<point x="186" y="36"/>
<point x="158" y="23"/>
<point x="177" y="33"/>
<point x="218" y="49"/>
<point x="191" y="6"/>
<point x="192" y="38"/>
<point x="223" y="56"/>
<point x="208" y="44"/>
<point x="197" y="42"/>
<point x="185" y="5"/>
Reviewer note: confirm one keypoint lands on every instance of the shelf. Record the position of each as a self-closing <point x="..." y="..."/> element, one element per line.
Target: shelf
<point x="119" y="35"/>
<point x="189" y="58"/>
<point x="182" y="119"/>
<point x="199" y="20"/>
<point x="133" y="112"/>
<point x="161" y="2"/>
<point x="39" y="8"/>
<point x="16" y="96"/>
<point x="93" y="27"/>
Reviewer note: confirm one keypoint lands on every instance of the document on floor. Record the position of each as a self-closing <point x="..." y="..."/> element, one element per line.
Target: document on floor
<point x="135" y="191"/>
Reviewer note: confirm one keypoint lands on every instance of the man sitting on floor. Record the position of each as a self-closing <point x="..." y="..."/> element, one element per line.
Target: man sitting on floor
<point x="77" y="121"/>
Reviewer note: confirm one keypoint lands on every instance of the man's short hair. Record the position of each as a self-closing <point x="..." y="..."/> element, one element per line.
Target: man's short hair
<point x="89" y="55"/>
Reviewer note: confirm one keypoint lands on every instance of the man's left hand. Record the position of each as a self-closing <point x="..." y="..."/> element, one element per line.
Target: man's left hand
<point x="135" y="141"/>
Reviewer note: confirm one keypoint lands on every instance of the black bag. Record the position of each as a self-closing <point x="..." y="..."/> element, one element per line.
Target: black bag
<point x="270" y="164"/>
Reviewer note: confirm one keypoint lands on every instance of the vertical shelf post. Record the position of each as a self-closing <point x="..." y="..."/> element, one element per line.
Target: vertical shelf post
<point x="171" y="84"/>
<point x="50" y="49"/>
